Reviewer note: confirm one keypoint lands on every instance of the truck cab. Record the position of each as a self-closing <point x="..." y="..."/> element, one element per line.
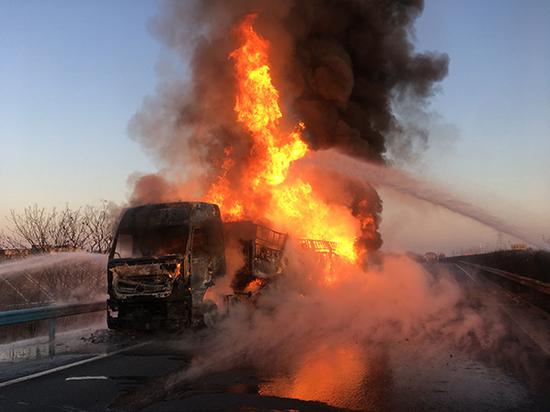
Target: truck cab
<point x="163" y="259"/>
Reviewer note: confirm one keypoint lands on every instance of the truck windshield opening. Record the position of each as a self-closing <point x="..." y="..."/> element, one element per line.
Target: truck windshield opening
<point x="151" y="241"/>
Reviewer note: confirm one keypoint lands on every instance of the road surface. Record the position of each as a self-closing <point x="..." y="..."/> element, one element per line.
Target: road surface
<point x="146" y="372"/>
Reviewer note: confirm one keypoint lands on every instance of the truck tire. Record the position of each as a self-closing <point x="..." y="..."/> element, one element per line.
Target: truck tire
<point x="112" y="323"/>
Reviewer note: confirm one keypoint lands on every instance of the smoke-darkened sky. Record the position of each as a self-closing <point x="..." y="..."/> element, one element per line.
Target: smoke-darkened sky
<point x="72" y="74"/>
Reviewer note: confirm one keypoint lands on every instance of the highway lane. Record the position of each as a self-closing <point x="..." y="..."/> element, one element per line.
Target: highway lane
<point x="512" y="374"/>
<point x="93" y="385"/>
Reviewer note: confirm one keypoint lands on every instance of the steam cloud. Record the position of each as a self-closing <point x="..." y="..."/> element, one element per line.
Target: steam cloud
<point x="42" y="262"/>
<point x="339" y="65"/>
<point x="377" y="175"/>
<point x="300" y="325"/>
<point x="59" y="277"/>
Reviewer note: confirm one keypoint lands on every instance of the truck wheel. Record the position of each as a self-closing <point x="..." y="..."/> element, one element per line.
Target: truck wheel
<point x="112" y="323"/>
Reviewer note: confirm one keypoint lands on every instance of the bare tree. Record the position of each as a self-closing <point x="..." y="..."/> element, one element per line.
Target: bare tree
<point x="4" y="244"/>
<point x="90" y="228"/>
<point x="100" y="225"/>
<point x="33" y="228"/>
<point x="70" y="229"/>
<point x="12" y="241"/>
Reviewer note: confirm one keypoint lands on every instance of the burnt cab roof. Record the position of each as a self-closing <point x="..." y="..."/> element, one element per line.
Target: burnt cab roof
<point x="168" y="214"/>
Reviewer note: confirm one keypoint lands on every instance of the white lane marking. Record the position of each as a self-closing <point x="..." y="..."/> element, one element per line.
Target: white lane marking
<point x="467" y="274"/>
<point x="70" y="365"/>
<point x="86" y="378"/>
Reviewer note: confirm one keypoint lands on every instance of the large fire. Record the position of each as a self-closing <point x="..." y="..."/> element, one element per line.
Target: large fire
<point x="266" y="190"/>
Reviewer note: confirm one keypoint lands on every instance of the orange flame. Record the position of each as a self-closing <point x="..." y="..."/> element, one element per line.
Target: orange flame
<point x="265" y="190"/>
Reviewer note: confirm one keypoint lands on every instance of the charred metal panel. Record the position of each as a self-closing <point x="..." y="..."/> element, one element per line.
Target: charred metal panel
<point x="167" y="214"/>
<point x="201" y="212"/>
<point x="153" y="279"/>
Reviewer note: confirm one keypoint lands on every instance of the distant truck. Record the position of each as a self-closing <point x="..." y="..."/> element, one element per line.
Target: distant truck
<point x="519" y="247"/>
<point x="165" y="256"/>
<point x="431" y="257"/>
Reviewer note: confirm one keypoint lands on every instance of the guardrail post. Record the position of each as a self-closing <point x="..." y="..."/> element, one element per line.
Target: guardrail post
<point x="49" y="313"/>
<point x="51" y="336"/>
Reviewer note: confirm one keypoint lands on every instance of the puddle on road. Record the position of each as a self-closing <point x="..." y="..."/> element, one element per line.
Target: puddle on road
<point x="390" y="379"/>
<point x="343" y="377"/>
<point x="351" y="377"/>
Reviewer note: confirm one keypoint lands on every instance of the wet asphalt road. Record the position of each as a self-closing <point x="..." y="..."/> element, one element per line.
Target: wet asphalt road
<point x="403" y="377"/>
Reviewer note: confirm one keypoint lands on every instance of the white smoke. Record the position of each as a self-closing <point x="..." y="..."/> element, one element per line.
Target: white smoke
<point x="35" y="263"/>
<point x="307" y="311"/>
<point x="400" y="181"/>
<point x="57" y="277"/>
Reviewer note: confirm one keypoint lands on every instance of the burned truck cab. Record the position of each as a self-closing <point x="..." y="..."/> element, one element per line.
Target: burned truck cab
<point x="163" y="259"/>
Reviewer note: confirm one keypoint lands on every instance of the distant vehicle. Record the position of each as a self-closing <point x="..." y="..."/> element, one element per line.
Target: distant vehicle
<point x="441" y="256"/>
<point x="519" y="246"/>
<point x="431" y="257"/>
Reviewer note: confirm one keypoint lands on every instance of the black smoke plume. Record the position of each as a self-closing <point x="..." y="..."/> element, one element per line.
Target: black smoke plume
<point x="340" y="66"/>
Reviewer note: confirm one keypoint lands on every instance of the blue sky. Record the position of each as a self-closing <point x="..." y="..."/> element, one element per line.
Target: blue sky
<point x="71" y="76"/>
<point x="497" y="98"/>
<point x="72" y="73"/>
<point x="497" y="93"/>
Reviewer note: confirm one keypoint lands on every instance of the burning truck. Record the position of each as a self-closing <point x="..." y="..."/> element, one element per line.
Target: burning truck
<point x="165" y="256"/>
<point x="245" y="129"/>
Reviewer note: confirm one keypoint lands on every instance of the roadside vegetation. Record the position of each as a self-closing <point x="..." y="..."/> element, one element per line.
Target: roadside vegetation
<point x="37" y="229"/>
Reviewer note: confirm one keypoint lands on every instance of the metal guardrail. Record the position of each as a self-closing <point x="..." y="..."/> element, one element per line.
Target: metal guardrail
<point x="50" y="313"/>
<point x="534" y="284"/>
